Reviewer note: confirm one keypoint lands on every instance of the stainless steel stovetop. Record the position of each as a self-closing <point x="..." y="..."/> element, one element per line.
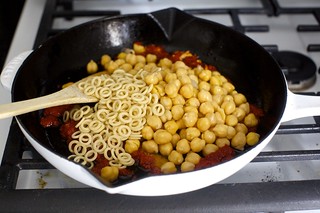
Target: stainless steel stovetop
<point x="285" y="177"/>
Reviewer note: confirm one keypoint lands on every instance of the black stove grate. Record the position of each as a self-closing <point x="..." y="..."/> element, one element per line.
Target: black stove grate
<point x="235" y="197"/>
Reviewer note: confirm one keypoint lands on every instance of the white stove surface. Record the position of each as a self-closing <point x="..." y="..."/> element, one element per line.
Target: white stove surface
<point x="282" y="33"/>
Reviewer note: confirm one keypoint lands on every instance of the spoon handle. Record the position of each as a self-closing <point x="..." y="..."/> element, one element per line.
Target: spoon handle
<point x="69" y="95"/>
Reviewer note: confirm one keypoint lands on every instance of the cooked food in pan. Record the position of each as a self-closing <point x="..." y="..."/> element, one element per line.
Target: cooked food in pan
<point x="158" y="113"/>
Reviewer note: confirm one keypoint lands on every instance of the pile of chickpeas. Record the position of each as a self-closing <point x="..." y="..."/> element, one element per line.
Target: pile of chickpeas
<point x="203" y="111"/>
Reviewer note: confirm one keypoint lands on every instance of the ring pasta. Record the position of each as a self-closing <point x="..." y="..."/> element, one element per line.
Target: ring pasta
<point x="118" y="116"/>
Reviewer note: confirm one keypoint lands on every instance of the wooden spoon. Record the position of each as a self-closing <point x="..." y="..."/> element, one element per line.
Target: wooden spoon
<point x="68" y="95"/>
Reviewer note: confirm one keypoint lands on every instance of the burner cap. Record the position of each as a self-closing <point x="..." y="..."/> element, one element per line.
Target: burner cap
<point x="299" y="70"/>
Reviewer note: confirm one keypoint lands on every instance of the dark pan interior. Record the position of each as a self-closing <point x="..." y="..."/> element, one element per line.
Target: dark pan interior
<point x="63" y="58"/>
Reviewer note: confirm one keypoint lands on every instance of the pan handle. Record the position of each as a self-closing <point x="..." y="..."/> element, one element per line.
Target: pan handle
<point x="300" y="106"/>
<point x="9" y="71"/>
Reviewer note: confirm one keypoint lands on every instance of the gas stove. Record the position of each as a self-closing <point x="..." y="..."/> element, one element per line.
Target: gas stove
<point x="284" y="177"/>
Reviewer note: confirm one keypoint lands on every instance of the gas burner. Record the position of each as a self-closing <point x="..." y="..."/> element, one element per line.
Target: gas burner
<point x="299" y="70"/>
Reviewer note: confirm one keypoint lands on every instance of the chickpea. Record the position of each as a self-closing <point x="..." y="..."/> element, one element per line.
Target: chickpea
<point x="147" y="132"/>
<point x="179" y="64"/>
<point x="175" y="157"/>
<point x="192" y="132"/>
<point x="239" y="99"/>
<point x="194" y="80"/>
<point x="190" y="118"/>
<point x="231" y="120"/>
<point x="171" y="126"/>
<point x="131" y="59"/>
<point x="193" y="102"/>
<point x="151" y="58"/>
<point x="227" y="98"/>
<point x="181" y="124"/>
<point x="206" y="107"/>
<point x="221" y="142"/>
<point x="141" y="59"/>
<point x="215" y="81"/>
<point x="178" y="100"/>
<point x="221" y="130"/>
<point x="177" y="112"/>
<point x="231" y="132"/>
<point x="105" y="59"/>
<point x="239" y="141"/>
<point x="162" y="136"/>
<point x="250" y="120"/>
<point x="203" y="124"/>
<point x="138" y="66"/>
<point x="187" y="166"/>
<point x="205" y="75"/>
<point x="138" y="48"/>
<point x="168" y="168"/>
<point x="208" y="136"/>
<point x="203" y="85"/>
<point x="126" y="67"/>
<point x="92" y="67"/>
<point x="175" y="139"/>
<point x="183" y="133"/>
<point x="218" y="98"/>
<point x="182" y="71"/>
<point x="193" y="157"/>
<point x="204" y="96"/>
<point x="132" y="145"/>
<point x="154" y="122"/>
<point x="183" y="146"/>
<point x="150" y="67"/>
<point x="197" y="144"/>
<point x="183" y="77"/>
<point x="228" y="86"/>
<point x="239" y="113"/>
<point x="165" y="62"/>
<point x="111" y="66"/>
<point x="165" y="149"/>
<point x="120" y="61"/>
<point x="110" y="173"/>
<point x="217" y="90"/>
<point x="171" y="90"/>
<point x="166" y="102"/>
<point x="252" y="138"/>
<point x="240" y="127"/>
<point x="151" y="78"/>
<point x="186" y="91"/>
<point x="190" y="109"/>
<point x="170" y="76"/>
<point x="228" y="107"/>
<point x="212" y="118"/>
<point x="209" y="148"/>
<point x="220" y="116"/>
<point x="245" y="107"/>
<point x="159" y="89"/>
<point x="167" y="116"/>
<point x="177" y="83"/>
<point x="150" y="146"/>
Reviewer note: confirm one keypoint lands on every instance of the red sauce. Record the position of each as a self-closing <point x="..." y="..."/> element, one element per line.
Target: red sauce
<point x="67" y="129"/>
<point x="57" y="111"/>
<point x="223" y="154"/>
<point x="50" y="121"/>
<point x="258" y="112"/>
<point x="146" y="161"/>
<point x="100" y="162"/>
<point x="157" y="50"/>
<point x="51" y="116"/>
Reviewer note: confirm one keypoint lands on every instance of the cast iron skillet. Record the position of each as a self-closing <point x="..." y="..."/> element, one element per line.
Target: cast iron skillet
<point x="63" y="58"/>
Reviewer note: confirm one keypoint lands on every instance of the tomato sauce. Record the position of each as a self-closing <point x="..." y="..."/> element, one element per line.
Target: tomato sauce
<point x="223" y="154"/>
<point x="67" y="129"/>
